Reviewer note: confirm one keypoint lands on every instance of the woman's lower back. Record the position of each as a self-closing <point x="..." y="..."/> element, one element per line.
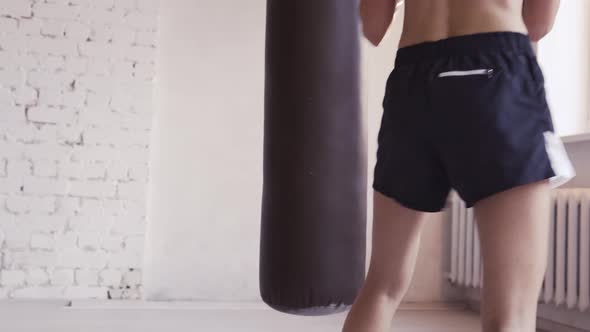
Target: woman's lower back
<point x="430" y="20"/>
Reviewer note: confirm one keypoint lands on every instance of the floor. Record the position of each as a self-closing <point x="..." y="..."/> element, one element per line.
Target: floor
<point x="92" y="316"/>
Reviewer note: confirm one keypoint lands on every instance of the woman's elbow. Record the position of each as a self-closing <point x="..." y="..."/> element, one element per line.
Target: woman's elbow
<point x="374" y="33"/>
<point x="373" y="38"/>
<point x="539" y="17"/>
<point x="539" y="31"/>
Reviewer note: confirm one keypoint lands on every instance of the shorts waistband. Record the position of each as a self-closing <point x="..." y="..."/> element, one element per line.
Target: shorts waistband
<point x="474" y="44"/>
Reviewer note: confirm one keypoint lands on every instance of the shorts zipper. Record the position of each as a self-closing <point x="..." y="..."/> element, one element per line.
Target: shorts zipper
<point x="487" y="72"/>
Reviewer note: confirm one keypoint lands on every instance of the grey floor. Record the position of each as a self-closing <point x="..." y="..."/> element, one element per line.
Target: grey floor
<point x="92" y="316"/>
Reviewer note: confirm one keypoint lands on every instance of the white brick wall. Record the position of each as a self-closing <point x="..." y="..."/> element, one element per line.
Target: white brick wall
<point x="75" y="95"/>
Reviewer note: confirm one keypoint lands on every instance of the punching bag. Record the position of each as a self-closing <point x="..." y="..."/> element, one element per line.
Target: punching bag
<point x="313" y="235"/>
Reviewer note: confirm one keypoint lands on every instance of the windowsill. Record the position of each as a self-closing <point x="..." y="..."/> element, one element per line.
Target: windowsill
<point x="584" y="137"/>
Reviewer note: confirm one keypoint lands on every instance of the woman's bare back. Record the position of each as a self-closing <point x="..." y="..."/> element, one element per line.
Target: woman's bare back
<point x="429" y="20"/>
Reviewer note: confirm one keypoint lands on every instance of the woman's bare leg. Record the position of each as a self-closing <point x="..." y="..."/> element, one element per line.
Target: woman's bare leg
<point x="396" y="241"/>
<point x="513" y="230"/>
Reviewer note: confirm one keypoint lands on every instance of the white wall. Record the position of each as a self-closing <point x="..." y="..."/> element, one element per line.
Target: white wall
<point x="206" y="161"/>
<point x="565" y="58"/>
<point x="204" y="207"/>
<point x="75" y="112"/>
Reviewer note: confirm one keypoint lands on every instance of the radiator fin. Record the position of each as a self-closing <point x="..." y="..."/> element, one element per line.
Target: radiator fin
<point x="567" y="277"/>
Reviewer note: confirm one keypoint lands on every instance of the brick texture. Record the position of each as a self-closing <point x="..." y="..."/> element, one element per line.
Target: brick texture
<point x="75" y="115"/>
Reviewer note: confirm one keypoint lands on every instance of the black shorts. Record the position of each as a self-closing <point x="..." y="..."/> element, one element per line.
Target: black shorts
<point x="467" y="113"/>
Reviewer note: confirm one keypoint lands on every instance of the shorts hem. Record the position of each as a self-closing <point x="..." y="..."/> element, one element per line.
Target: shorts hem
<point x="512" y="185"/>
<point x="404" y="203"/>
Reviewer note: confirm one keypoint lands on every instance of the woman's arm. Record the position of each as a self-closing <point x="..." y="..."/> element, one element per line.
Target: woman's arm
<point x="376" y="16"/>
<point x="539" y="16"/>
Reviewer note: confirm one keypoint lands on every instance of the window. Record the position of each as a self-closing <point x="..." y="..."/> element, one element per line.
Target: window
<point x="565" y="57"/>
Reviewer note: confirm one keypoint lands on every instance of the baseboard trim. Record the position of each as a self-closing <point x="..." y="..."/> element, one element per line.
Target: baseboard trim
<point x="549" y="326"/>
<point x="549" y="318"/>
<point x="28" y="303"/>
<point x="205" y="305"/>
<point x="166" y="305"/>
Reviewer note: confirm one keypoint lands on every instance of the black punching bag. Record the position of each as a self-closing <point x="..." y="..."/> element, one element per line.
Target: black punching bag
<point x="312" y="258"/>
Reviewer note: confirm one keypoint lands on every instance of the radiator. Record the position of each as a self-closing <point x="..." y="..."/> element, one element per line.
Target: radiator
<point x="567" y="278"/>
